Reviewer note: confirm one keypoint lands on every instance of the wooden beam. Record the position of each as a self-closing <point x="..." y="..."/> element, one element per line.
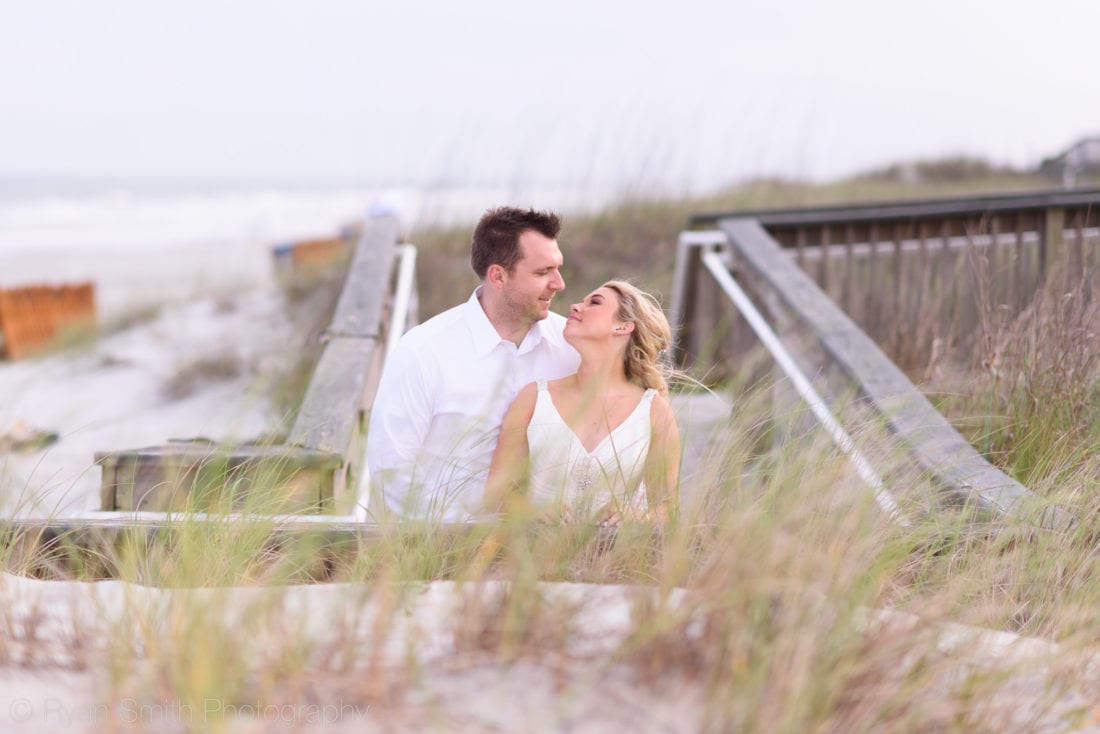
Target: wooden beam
<point x="951" y="462"/>
<point x="958" y="207"/>
<point x="199" y="476"/>
<point x="329" y="415"/>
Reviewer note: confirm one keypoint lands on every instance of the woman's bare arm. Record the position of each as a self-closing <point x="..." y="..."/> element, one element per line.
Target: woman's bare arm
<point x="508" y="470"/>
<point x="662" y="468"/>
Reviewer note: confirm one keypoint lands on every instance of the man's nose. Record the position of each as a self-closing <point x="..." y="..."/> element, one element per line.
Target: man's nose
<point x="558" y="284"/>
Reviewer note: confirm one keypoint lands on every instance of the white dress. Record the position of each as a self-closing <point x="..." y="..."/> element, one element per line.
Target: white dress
<point x="563" y="473"/>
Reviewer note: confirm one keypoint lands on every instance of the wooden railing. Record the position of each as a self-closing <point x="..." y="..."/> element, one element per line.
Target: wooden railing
<point x="331" y="417"/>
<point x="798" y="273"/>
<point x="317" y="467"/>
<point x="917" y="274"/>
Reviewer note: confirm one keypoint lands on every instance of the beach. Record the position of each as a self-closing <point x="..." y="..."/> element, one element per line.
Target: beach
<point x="190" y="324"/>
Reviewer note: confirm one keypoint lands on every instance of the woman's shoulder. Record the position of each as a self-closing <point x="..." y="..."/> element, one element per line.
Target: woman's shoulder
<point x="530" y="391"/>
<point x="523" y="405"/>
<point x="534" y="387"/>
<point x="560" y="385"/>
<point x="660" y="408"/>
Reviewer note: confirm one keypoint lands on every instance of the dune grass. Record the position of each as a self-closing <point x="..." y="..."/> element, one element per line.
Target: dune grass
<point x="782" y="600"/>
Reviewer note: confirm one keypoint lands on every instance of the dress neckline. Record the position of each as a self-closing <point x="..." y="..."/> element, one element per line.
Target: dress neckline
<point x="645" y="397"/>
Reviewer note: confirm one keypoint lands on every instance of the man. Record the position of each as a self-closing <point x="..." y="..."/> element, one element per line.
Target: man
<point x="437" y="413"/>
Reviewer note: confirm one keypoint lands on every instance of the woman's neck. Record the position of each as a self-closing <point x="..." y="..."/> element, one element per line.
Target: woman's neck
<point x="601" y="370"/>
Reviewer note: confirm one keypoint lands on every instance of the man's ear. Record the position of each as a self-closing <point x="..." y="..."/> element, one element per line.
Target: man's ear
<point x="496" y="275"/>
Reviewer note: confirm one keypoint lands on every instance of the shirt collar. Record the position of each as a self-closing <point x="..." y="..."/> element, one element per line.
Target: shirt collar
<point x="485" y="334"/>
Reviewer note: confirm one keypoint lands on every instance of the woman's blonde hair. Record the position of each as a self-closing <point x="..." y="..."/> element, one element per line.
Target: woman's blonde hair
<point x="647" y="351"/>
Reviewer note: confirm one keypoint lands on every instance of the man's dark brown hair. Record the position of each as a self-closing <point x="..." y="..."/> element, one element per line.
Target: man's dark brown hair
<point x="496" y="237"/>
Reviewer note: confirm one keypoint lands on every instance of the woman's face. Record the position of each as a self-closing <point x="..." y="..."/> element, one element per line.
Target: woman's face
<point x="596" y="317"/>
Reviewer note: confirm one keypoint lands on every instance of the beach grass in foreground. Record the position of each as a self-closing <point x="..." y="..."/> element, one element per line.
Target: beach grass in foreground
<point x="782" y="599"/>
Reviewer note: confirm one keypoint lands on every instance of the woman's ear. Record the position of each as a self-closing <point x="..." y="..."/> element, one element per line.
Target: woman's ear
<point x="624" y="328"/>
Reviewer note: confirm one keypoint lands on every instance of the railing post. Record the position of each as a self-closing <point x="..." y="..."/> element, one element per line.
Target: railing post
<point x="685" y="280"/>
<point x="1052" y="254"/>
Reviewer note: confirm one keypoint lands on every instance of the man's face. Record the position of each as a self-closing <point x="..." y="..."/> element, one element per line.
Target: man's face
<point x="536" y="277"/>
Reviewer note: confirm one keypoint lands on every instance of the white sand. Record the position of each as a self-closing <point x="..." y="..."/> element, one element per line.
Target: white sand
<point x="53" y="678"/>
<point x="217" y="304"/>
<point x="55" y="681"/>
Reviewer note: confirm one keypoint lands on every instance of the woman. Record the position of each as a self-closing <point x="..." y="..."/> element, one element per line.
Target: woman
<point x="600" y="445"/>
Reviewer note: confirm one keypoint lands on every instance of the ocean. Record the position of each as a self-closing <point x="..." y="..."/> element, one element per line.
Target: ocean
<point x="148" y="243"/>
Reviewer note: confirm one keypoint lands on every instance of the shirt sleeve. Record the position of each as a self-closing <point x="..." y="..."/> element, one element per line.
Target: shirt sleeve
<point x="399" y="422"/>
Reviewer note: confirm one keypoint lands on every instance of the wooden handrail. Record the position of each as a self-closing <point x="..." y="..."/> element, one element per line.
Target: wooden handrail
<point x="940" y="264"/>
<point x="310" y="472"/>
<point x="798" y="306"/>
<point x="954" y="207"/>
<point x="951" y="462"/>
<point x="329" y="414"/>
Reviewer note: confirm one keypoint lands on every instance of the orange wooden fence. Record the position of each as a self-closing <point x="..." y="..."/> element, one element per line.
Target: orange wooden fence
<point x="320" y="253"/>
<point x="313" y="254"/>
<point x="32" y="318"/>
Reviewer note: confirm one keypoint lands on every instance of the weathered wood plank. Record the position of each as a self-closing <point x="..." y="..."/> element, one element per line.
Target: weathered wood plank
<point x="685" y="303"/>
<point x="941" y="452"/>
<point x="193" y="477"/>
<point x="887" y="212"/>
<point x="1054" y="243"/>
<point x="329" y="414"/>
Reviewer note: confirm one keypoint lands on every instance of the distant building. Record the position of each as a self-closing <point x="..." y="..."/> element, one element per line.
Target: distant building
<point x="1080" y="160"/>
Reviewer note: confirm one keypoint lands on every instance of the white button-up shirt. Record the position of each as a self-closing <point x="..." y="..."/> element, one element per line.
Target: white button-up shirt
<point x="437" y="413"/>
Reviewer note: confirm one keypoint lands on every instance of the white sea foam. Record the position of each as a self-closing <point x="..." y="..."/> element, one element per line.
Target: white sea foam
<point x="122" y="219"/>
<point x="143" y="245"/>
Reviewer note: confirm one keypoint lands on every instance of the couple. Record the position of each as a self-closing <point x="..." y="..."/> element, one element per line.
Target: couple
<point x="500" y="404"/>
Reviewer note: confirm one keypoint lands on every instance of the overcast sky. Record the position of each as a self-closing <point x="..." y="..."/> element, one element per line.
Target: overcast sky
<point x="570" y="91"/>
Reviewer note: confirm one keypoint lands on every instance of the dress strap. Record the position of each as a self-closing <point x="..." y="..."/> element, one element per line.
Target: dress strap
<point x="647" y="396"/>
<point x="541" y="384"/>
